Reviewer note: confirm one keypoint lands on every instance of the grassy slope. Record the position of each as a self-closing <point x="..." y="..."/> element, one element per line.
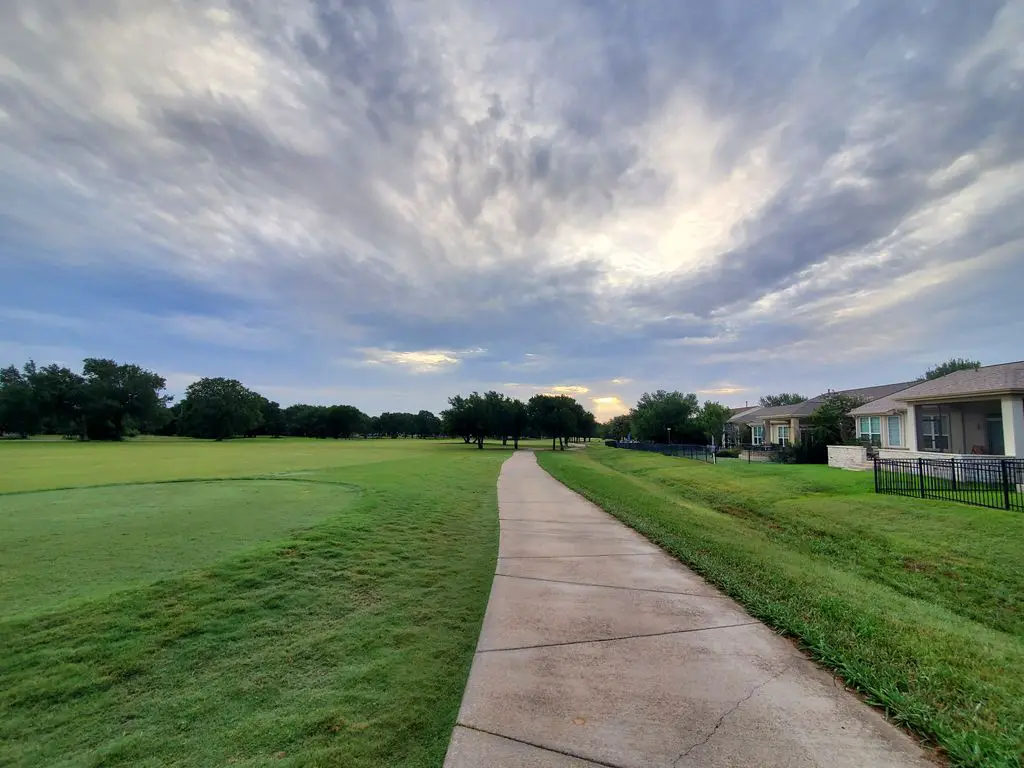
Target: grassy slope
<point x="918" y="604"/>
<point x="348" y="643"/>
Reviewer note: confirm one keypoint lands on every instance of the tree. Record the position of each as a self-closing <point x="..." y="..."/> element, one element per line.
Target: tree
<point x="667" y="416"/>
<point x="118" y="398"/>
<point x="218" y="408"/>
<point x="18" y="412"/>
<point x="58" y="399"/>
<point x="455" y="418"/>
<point x="831" y="423"/>
<point x="518" y="420"/>
<point x="558" y="417"/>
<point x="426" y="424"/>
<point x="713" y="418"/>
<point x="272" y="416"/>
<point x="617" y="428"/>
<point x="783" y="398"/>
<point x="950" y="366"/>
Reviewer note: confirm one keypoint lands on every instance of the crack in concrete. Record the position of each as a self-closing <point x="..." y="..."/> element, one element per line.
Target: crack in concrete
<point x="616" y="638"/>
<point x="729" y="712"/>
<point x="535" y="745"/>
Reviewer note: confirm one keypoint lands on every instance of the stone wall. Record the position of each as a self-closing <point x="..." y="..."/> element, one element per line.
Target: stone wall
<point x="848" y="456"/>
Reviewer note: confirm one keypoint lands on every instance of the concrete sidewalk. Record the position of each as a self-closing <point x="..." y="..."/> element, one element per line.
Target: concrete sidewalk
<point x="600" y="650"/>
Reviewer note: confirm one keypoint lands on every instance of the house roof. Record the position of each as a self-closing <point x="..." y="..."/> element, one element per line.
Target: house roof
<point x="989" y="379"/>
<point x="744" y="415"/>
<point x="807" y="407"/>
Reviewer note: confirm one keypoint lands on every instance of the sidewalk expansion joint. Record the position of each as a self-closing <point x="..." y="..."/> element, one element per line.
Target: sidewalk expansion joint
<point x="526" y="743"/>
<point x="614" y="586"/>
<point x="621" y="637"/>
<point x="560" y="522"/>
<point x="563" y="557"/>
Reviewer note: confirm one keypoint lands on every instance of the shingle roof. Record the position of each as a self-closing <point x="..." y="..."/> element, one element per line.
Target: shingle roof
<point x="1006" y="377"/>
<point x="745" y="415"/>
<point x="807" y="407"/>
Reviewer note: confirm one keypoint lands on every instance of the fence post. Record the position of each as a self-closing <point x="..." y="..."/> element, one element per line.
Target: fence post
<point x="1006" y="483"/>
<point x="876" y="474"/>
<point x="920" y="475"/>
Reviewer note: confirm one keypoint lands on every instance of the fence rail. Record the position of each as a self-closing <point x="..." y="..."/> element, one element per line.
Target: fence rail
<point x="994" y="483"/>
<point x="697" y="452"/>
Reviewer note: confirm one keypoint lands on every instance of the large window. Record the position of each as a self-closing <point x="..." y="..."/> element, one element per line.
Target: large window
<point x="895" y="425"/>
<point x="934" y="432"/>
<point x="757" y="434"/>
<point x="784" y="435"/>
<point x="869" y="429"/>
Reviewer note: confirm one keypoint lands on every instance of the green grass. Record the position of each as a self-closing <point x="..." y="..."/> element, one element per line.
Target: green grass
<point x="322" y="614"/>
<point x="918" y="604"/>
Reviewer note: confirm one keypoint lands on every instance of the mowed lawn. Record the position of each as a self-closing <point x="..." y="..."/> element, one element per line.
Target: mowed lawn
<point x="254" y="602"/>
<point x="918" y="604"/>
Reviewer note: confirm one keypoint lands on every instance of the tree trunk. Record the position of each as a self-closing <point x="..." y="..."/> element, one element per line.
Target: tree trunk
<point x="504" y="440"/>
<point x="480" y="442"/>
<point x="465" y="439"/>
<point x="515" y="441"/>
<point x="553" y="443"/>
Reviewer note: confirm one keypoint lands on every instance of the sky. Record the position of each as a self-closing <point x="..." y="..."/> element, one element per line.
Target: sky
<point x="384" y="203"/>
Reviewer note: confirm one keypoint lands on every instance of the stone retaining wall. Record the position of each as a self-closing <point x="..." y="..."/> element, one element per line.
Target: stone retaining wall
<point x="848" y="457"/>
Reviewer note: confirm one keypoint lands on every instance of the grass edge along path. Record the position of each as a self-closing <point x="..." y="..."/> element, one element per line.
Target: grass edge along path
<point x="950" y="680"/>
<point x="348" y="643"/>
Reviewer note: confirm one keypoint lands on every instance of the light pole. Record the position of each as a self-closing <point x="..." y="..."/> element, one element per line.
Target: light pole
<point x="670" y="435"/>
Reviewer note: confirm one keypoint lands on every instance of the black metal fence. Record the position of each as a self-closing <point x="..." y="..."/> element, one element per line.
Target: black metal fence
<point x="698" y="452"/>
<point x="995" y="483"/>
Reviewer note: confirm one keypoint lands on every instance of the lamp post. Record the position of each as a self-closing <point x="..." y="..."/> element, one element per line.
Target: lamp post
<point x="670" y="435"/>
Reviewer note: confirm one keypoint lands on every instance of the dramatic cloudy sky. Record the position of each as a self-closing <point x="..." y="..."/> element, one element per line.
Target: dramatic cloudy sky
<point x="382" y="203"/>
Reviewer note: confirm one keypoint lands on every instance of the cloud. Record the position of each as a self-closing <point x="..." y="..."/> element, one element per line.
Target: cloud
<point x="608" y="407"/>
<point x="419" y="361"/>
<point x="723" y="389"/>
<point x="661" y="193"/>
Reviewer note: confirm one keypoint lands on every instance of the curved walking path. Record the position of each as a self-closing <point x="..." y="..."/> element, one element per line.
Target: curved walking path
<point x="598" y="649"/>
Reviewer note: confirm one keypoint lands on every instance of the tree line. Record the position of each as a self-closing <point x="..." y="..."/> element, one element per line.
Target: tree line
<point x="477" y="417"/>
<point x="108" y="400"/>
<point x="670" y="417"/>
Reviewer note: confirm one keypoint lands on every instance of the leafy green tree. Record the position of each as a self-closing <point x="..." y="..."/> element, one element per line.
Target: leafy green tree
<point x="518" y="420"/>
<point x="557" y="416"/>
<point x="713" y="418"/>
<point x="617" y="428"/>
<point x="783" y="398"/>
<point x="218" y="408"/>
<point x="457" y="419"/>
<point x="950" y="366"/>
<point x="272" y="418"/>
<point x="118" y="398"/>
<point x="831" y="423"/>
<point x="426" y="424"/>
<point x="58" y="398"/>
<point x="343" y="421"/>
<point x="18" y="411"/>
<point x="667" y="416"/>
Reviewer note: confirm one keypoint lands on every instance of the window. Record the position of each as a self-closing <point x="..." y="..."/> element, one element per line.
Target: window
<point x="869" y="429"/>
<point x="757" y="434"/>
<point x="934" y="432"/>
<point x="895" y="431"/>
<point x="783" y="435"/>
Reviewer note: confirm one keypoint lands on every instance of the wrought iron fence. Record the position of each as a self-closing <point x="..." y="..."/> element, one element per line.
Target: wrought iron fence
<point x="697" y="452"/>
<point x="995" y="483"/>
<point x="760" y="452"/>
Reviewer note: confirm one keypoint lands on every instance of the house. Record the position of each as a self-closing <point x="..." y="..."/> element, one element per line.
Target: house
<point x="733" y="432"/>
<point x="973" y="412"/>
<point x="783" y="424"/>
